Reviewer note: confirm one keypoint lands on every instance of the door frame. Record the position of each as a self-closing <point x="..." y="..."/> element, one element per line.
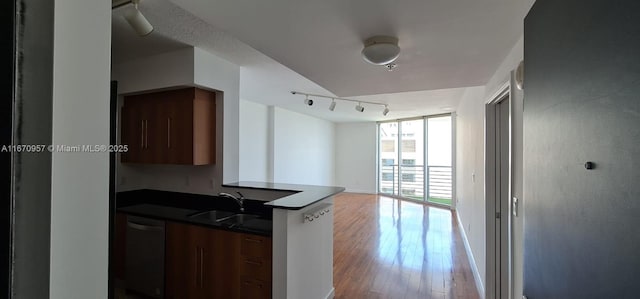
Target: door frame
<point x="496" y="266"/>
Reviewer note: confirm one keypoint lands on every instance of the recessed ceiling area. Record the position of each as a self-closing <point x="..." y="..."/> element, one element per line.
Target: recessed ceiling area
<point x="447" y="48"/>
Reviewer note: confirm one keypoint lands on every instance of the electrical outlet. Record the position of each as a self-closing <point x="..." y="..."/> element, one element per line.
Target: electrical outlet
<point x="123" y="180"/>
<point x="211" y="183"/>
<point x="186" y="181"/>
<point x="515" y="206"/>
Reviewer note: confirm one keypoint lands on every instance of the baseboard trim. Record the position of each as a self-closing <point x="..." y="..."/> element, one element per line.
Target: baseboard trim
<point x="331" y="294"/>
<point x="472" y="260"/>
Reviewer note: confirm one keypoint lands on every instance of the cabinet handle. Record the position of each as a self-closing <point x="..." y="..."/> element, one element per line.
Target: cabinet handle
<point x="146" y="133"/>
<point x="168" y="132"/>
<point x="195" y="274"/>
<point x="143" y="227"/>
<point x="201" y="267"/>
<point x="142" y="133"/>
<point x="252" y="240"/>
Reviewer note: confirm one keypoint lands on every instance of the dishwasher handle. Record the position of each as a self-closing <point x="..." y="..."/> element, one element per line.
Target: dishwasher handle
<point x="143" y="227"/>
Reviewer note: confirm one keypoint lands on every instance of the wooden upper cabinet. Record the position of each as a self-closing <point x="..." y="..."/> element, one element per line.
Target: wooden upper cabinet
<point x="169" y="127"/>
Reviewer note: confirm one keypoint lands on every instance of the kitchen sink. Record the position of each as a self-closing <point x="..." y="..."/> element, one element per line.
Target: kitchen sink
<point x="213" y="215"/>
<point x="232" y="219"/>
<point x="238" y="219"/>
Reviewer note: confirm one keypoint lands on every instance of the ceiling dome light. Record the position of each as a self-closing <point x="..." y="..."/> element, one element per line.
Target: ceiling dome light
<point x="332" y="106"/>
<point x="359" y="107"/>
<point x="381" y="50"/>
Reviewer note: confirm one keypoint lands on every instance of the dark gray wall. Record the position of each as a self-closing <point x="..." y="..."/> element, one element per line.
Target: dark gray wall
<point x="582" y="81"/>
<point x="31" y="189"/>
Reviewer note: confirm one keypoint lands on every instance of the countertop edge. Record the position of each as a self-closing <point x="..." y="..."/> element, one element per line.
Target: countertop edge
<point x="305" y="195"/>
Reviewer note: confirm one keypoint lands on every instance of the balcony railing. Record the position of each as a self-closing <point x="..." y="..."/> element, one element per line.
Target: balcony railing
<point x="408" y="181"/>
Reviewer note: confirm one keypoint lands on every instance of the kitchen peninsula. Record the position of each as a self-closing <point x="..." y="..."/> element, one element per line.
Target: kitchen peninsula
<point x="292" y="224"/>
<point x="302" y="239"/>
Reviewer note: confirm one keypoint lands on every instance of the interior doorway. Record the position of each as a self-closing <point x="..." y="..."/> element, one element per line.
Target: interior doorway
<point x="498" y="194"/>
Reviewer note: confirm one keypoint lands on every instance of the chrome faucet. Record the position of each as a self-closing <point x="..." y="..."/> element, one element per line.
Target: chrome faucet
<point x="239" y="200"/>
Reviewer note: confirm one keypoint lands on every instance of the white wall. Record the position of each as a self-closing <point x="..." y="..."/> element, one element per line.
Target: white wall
<point x="303" y="253"/>
<point x="303" y="149"/>
<point x="356" y="145"/>
<point x="216" y="73"/>
<point x="254" y="142"/>
<point x="186" y="67"/>
<point x="470" y="162"/>
<point x="470" y="204"/>
<point x="155" y="72"/>
<point x="80" y="181"/>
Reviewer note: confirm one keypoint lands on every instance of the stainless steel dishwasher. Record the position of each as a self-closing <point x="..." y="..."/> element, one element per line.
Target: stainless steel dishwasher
<point x="144" y="261"/>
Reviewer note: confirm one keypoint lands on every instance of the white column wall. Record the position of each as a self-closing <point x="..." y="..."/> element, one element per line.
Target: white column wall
<point x="80" y="181"/>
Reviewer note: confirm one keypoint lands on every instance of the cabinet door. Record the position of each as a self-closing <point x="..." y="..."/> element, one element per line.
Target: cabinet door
<point x="178" y="119"/>
<point x="156" y="134"/>
<point x="138" y="129"/>
<point x="185" y="261"/>
<point x="204" y="132"/>
<point x="132" y="130"/>
<point x="222" y="265"/>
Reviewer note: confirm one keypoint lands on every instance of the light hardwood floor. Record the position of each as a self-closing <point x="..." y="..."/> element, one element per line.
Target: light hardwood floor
<point x="389" y="248"/>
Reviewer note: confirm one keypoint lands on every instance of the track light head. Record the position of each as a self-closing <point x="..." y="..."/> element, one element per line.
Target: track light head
<point x="308" y="101"/>
<point x="137" y="21"/>
<point x="359" y="107"/>
<point x="385" y="111"/>
<point x="332" y="106"/>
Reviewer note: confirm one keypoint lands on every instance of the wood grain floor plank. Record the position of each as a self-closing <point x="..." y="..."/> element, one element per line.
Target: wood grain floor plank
<point x="389" y="248"/>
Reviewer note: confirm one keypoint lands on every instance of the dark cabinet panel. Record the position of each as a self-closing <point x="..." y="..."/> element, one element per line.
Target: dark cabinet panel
<point x="169" y="127"/>
<point x="210" y="263"/>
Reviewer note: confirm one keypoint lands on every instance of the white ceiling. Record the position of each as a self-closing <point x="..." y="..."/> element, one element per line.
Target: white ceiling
<point x="314" y="46"/>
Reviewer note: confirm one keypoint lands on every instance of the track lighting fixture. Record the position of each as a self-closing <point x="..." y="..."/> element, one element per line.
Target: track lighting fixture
<point x="359" y="107"/>
<point x="332" y="106"/>
<point x="135" y="18"/>
<point x="308" y="101"/>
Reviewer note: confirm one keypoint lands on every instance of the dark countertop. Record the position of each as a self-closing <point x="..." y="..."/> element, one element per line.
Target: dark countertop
<point x="174" y="206"/>
<point x="305" y="195"/>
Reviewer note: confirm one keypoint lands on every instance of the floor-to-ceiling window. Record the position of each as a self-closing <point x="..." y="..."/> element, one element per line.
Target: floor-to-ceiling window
<point x="415" y="159"/>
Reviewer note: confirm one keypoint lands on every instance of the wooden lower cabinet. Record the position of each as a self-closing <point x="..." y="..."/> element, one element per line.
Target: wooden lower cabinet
<point x="209" y="263"/>
<point x="255" y="266"/>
